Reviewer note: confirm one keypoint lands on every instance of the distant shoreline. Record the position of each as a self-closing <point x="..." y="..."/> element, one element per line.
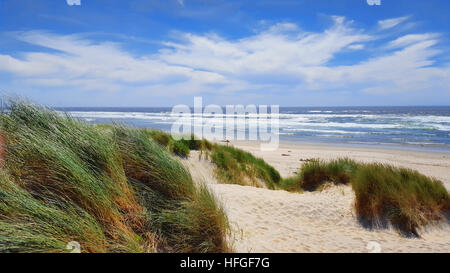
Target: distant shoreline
<point x="386" y="146"/>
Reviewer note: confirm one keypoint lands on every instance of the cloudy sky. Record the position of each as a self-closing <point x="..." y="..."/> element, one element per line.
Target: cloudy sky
<point x="286" y="52"/>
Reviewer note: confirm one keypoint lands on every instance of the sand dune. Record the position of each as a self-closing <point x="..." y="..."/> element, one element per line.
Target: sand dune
<point x="286" y="159"/>
<point x="278" y="221"/>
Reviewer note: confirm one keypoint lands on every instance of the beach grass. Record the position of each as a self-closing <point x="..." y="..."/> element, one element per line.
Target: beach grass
<point x="109" y="188"/>
<point x="186" y="216"/>
<point x="180" y="147"/>
<point x="403" y="197"/>
<point x="235" y="166"/>
<point x="291" y="184"/>
<point x="316" y="172"/>
<point x="232" y="165"/>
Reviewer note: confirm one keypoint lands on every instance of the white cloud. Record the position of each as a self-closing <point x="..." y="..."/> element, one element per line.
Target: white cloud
<point x="281" y="48"/>
<point x="407" y="40"/>
<point x="88" y="65"/>
<point x="356" y="47"/>
<point x="390" y="23"/>
<point x="281" y="57"/>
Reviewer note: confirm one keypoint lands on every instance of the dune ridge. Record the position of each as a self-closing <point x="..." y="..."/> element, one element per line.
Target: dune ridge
<point x="265" y="220"/>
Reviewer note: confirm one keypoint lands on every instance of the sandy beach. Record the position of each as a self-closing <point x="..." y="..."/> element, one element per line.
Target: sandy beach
<point x="277" y="221"/>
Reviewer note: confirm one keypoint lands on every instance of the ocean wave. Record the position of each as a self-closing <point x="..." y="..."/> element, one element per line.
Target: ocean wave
<point x="322" y="131"/>
<point x="286" y="120"/>
<point x="348" y="126"/>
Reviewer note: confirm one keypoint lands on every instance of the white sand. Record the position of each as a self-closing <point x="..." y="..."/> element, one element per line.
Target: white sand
<point x="277" y="221"/>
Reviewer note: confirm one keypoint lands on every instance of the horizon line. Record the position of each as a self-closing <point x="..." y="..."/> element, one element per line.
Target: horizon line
<point x="191" y="106"/>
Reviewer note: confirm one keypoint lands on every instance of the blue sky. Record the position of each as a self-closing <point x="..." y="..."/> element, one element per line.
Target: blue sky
<point x="286" y="52"/>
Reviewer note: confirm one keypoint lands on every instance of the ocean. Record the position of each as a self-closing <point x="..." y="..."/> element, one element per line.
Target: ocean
<point x="424" y="128"/>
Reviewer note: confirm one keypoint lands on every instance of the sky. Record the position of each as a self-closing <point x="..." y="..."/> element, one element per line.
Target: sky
<point x="285" y="52"/>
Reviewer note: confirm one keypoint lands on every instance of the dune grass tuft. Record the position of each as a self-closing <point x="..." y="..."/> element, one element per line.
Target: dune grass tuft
<point x="235" y="166"/>
<point x="60" y="160"/>
<point x="180" y="147"/>
<point x="28" y="224"/>
<point x="196" y="226"/>
<point x="112" y="189"/>
<point x="187" y="217"/>
<point x="403" y="197"/>
<point x="291" y="184"/>
<point x="314" y="173"/>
